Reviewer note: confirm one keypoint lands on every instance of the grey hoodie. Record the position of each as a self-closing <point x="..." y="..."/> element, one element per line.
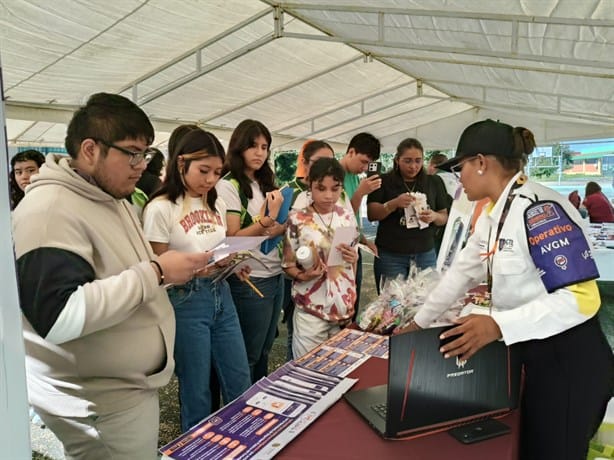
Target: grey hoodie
<point x="73" y="238"/>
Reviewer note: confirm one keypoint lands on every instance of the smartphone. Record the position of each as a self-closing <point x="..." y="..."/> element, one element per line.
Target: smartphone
<point x="479" y="431"/>
<point x="374" y="167"/>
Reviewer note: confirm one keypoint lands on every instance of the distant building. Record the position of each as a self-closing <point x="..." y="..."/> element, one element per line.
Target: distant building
<point x="598" y="161"/>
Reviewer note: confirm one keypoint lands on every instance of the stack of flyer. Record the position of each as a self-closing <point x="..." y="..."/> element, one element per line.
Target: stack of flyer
<point x="277" y="408"/>
<point x="343" y="353"/>
<point x="264" y="419"/>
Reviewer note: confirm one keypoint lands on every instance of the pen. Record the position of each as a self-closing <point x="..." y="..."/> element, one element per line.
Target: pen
<point x="253" y="286"/>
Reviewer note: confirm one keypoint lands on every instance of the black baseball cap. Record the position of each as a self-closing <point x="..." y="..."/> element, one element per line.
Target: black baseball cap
<point x="487" y="137"/>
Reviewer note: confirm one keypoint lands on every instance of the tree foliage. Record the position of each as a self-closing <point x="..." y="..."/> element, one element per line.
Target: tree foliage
<point x="543" y="167"/>
<point x="563" y="151"/>
<point x="285" y="165"/>
<point x="285" y="162"/>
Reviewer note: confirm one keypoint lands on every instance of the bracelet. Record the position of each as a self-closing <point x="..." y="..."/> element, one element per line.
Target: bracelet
<point x="387" y="206"/>
<point x="159" y="267"/>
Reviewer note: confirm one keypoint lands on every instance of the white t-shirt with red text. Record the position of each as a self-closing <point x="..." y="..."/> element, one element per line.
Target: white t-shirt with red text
<point x="187" y="225"/>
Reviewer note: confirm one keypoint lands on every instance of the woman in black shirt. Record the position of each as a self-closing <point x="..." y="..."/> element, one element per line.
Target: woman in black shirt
<point x="407" y="237"/>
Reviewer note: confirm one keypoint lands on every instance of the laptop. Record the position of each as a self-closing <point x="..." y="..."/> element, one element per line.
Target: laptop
<point x="428" y="393"/>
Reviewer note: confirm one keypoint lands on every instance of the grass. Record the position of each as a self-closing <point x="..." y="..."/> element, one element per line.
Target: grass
<point x="169" y="404"/>
<point x="169" y="407"/>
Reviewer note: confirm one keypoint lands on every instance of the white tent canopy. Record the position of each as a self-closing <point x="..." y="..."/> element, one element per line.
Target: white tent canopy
<point x="313" y="69"/>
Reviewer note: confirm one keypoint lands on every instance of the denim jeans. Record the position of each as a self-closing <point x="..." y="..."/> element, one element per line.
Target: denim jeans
<point x="358" y="283"/>
<point x="258" y="317"/>
<point x="208" y="333"/>
<point x="288" y="307"/>
<point x="392" y="264"/>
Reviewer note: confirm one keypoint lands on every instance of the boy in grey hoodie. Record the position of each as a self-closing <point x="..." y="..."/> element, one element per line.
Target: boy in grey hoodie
<point x="98" y="326"/>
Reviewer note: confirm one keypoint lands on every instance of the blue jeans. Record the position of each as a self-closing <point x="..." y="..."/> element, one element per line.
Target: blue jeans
<point x="208" y="333"/>
<point x="258" y="317"/>
<point x="358" y="283"/>
<point x="288" y="307"/>
<point x="392" y="264"/>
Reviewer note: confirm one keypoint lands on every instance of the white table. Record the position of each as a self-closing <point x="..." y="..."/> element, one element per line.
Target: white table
<point x="605" y="263"/>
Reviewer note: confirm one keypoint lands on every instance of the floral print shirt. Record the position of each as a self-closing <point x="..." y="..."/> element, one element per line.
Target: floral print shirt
<point x="330" y="297"/>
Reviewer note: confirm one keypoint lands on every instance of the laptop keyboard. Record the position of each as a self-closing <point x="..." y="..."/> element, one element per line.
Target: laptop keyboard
<point x="380" y="409"/>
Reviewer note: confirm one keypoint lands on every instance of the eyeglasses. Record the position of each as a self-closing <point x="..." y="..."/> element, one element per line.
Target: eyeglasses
<point x="456" y="169"/>
<point x="135" y="157"/>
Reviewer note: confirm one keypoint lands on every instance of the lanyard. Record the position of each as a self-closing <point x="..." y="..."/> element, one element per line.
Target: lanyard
<point x="490" y="254"/>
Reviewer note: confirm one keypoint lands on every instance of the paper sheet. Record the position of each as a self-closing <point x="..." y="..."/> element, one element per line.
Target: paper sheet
<point x="345" y="235"/>
<point x="235" y="244"/>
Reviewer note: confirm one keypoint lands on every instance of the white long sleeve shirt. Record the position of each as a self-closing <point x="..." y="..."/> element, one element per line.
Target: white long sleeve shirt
<point x="522" y="307"/>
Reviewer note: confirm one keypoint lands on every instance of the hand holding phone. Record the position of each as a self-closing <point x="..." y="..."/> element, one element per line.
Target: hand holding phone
<point x="374" y="168"/>
<point x="369" y="184"/>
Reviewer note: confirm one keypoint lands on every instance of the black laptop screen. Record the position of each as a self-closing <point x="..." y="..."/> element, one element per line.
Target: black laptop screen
<point x="425" y="389"/>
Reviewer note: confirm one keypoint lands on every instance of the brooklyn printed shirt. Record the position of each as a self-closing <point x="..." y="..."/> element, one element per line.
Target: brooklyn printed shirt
<point x="330" y="297"/>
<point x="187" y="225"/>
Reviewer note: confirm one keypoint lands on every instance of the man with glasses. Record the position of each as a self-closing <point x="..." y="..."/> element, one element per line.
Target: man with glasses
<point x="99" y="329"/>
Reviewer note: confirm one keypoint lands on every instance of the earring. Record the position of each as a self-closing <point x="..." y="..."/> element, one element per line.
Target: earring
<point x="480" y="172"/>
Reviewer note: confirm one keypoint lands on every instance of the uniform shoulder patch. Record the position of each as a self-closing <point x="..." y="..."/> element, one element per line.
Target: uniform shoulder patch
<point x="558" y="246"/>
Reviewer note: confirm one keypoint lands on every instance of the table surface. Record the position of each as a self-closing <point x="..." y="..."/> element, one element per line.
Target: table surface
<point x="342" y="434"/>
<point x="604" y="257"/>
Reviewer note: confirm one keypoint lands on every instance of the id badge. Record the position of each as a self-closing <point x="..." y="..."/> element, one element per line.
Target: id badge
<point x="411" y="218"/>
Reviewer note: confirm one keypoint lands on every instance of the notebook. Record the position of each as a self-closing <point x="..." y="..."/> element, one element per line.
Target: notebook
<point x="270" y="244"/>
<point x="428" y="393"/>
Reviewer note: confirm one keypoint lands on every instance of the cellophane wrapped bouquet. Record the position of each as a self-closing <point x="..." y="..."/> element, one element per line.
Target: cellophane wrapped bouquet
<point x="398" y="302"/>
